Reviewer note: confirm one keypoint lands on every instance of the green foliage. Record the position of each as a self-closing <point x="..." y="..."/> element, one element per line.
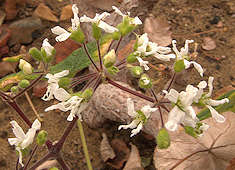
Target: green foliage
<point x="78" y="36"/>
<point x="13" y="59"/>
<point x="87" y="94"/>
<point x="64" y="82"/>
<point x="205" y="113"/>
<point x="179" y="66"/>
<point x="96" y="31"/>
<point x="131" y="58"/>
<point x="163" y="139"/>
<point x="113" y="70"/>
<point x="41" y="137"/>
<point x="136" y="71"/>
<point x="14" y="89"/>
<point x="191" y="131"/>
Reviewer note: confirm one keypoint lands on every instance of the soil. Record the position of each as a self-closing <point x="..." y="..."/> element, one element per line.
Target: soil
<point x="189" y="19"/>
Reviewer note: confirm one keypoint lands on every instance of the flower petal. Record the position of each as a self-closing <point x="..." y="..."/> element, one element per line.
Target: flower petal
<point x="36" y="125"/>
<point x="47" y="47"/>
<point x="176" y="116"/>
<point x="172" y="95"/>
<point x="116" y="10"/>
<point x="137" y="130"/>
<point x="17" y="130"/>
<point x="20" y="156"/>
<point x="210" y="85"/>
<point x="106" y="27"/>
<point x="218" y="117"/>
<point x="143" y="63"/>
<point x="14" y="141"/>
<point x="61" y="94"/>
<point x="58" y="30"/>
<point x="198" y="67"/>
<point x="132" y="125"/>
<point x="217" y="102"/>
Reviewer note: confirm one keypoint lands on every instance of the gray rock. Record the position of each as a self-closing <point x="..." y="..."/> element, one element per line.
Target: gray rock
<point x="22" y="30"/>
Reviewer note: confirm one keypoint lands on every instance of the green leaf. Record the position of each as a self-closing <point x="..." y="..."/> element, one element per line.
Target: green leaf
<point x="205" y="113"/>
<point x="78" y="60"/>
<point x="163" y="139"/>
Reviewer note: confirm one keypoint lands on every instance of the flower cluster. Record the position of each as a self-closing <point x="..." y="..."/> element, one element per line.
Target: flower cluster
<point x="183" y="111"/>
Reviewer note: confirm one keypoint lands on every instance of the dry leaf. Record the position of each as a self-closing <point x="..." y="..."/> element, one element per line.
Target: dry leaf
<point x="208" y="43"/>
<point x="45" y="12"/>
<point x="48" y="164"/>
<point x="134" y="160"/>
<point x="105" y="149"/>
<point x="105" y="5"/>
<point x="122" y="153"/>
<point x="126" y="50"/>
<point x="213" y="151"/>
<point x="158" y="30"/>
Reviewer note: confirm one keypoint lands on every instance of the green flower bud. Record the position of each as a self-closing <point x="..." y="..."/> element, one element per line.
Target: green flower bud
<point x="131" y="58"/>
<point x="125" y="27"/>
<point x="96" y="31"/>
<point x="78" y="36"/>
<point x="25" y="67"/>
<point x="12" y="59"/>
<point x="145" y="82"/>
<point x="14" y="89"/>
<point x="24" y="83"/>
<point x="179" y="66"/>
<point x="64" y="82"/>
<point x="113" y="70"/>
<point x="35" y="53"/>
<point x="87" y="94"/>
<point x="163" y="139"/>
<point x="110" y="59"/>
<point x="41" y="137"/>
<point x="48" y="58"/>
<point x="116" y="35"/>
<point x="136" y="71"/>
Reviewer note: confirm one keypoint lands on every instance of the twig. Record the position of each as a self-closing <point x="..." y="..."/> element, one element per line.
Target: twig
<point x="99" y="54"/>
<point x="32" y="106"/>
<point x="31" y="156"/>
<point x="118" y="44"/>
<point x="38" y="163"/>
<point x="62" y="163"/>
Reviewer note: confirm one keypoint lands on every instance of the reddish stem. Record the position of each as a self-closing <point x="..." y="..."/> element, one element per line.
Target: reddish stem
<point x="98" y="47"/>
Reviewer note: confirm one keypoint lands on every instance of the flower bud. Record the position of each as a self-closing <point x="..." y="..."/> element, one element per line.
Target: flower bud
<point x="126" y="27"/>
<point x="113" y="70"/>
<point x="179" y="66"/>
<point x="14" y="89"/>
<point x="78" y="36"/>
<point x="25" y="67"/>
<point x="42" y="137"/>
<point x="110" y="58"/>
<point x="136" y="71"/>
<point x="48" y="58"/>
<point x="35" y="53"/>
<point x="24" y="83"/>
<point x="116" y="35"/>
<point x="96" y="31"/>
<point x="145" y="81"/>
<point x="53" y="168"/>
<point x="131" y="58"/>
<point x="12" y="59"/>
<point x="163" y="139"/>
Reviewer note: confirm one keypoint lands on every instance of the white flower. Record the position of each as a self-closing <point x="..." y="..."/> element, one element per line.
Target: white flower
<point x="182" y="112"/>
<point x="98" y="20"/>
<point x="74" y="104"/>
<point x="140" y="117"/>
<point x="23" y="140"/>
<point x="143" y="63"/>
<point x="53" y="89"/>
<point x="61" y="32"/>
<point x="147" y="48"/>
<point x="47" y="47"/>
<point x="183" y="54"/>
<point x="134" y="21"/>
<point x="208" y="101"/>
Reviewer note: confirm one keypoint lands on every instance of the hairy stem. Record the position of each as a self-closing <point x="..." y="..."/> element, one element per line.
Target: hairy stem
<point x="118" y="44"/>
<point x="84" y="145"/>
<point x="38" y="163"/>
<point x="99" y="54"/>
<point x="110" y="45"/>
<point x="150" y="99"/>
<point x="85" y="48"/>
<point x="31" y="156"/>
<point x="62" y="163"/>
<point x="29" y="87"/>
<point x="82" y="79"/>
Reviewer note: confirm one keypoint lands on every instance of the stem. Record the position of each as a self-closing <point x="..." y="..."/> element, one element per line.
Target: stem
<point x="172" y="80"/>
<point x="29" y="87"/>
<point x="65" y="135"/>
<point x="118" y="44"/>
<point x="75" y="83"/>
<point x="98" y="47"/>
<point x="31" y="156"/>
<point x="160" y="111"/>
<point x="62" y="163"/>
<point x="89" y="83"/>
<point x="130" y="91"/>
<point x="97" y="83"/>
<point x="154" y="95"/>
<point x="121" y="62"/>
<point x="15" y="106"/>
<point x="84" y="145"/>
<point x="110" y="45"/>
<point x="38" y="163"/>
<point x="17" y="164"/>
<point x="85" y="48"/>
<point x="84" y="76"/>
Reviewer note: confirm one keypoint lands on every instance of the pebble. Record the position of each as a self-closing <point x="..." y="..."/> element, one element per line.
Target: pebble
<point x="22" y="30"/>
<point x="66" y="13"/>
<point x="45" y="13"/>
<point x="215" y="20"/>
